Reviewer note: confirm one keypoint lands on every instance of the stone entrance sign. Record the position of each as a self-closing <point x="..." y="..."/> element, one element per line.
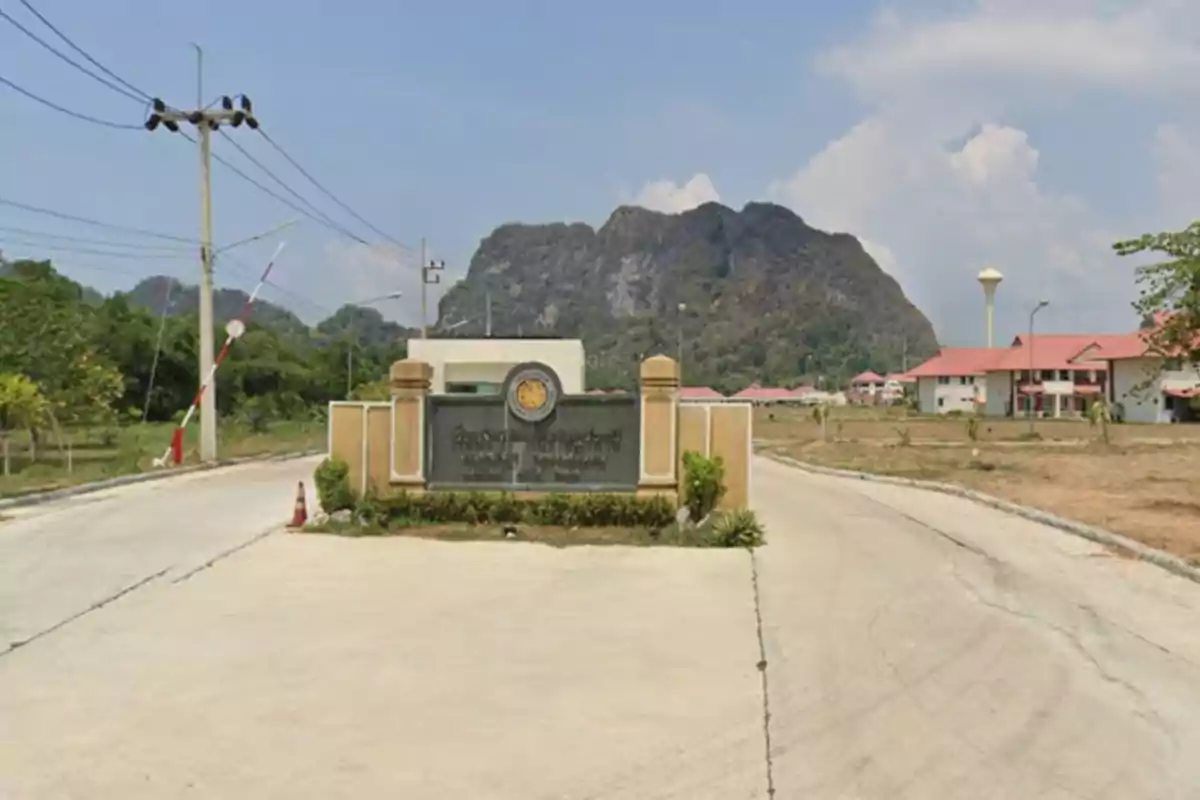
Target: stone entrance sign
<point x="531" y="437"/>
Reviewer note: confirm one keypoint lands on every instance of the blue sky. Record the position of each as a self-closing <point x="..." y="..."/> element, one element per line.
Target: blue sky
<point x="946" y="135"/>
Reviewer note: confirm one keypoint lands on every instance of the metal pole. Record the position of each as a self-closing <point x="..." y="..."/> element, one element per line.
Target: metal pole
<point x="424" y="324"/>
<point x="208" y="401"/>
<point x="1029" y="397"/>
<point x="350" y="367"/>
<point x="1029" y="394"/>
<point x="679" y="338"/>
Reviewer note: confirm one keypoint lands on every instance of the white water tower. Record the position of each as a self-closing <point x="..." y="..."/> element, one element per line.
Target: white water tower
<point x="989" y="279"/>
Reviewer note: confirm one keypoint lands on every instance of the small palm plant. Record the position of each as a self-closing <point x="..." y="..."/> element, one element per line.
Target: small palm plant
<point x="1098" y="417"/>
<point x="820" y="415"/>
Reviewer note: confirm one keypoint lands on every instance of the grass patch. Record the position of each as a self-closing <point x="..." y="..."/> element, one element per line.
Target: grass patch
<point x="102" y="453"/>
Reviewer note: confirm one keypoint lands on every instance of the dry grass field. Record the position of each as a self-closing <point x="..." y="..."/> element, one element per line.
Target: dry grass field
<point x="1144" y="483"/>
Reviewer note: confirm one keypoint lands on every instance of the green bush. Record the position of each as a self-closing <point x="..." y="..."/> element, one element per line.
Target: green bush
<point x="332" y="477"/>
<point x="703" y="483"/>
<point x="739" y="528"/>
<point x="564" y="510"/>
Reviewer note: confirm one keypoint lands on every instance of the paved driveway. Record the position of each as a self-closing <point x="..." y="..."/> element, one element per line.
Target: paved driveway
<point x="917" y="646"/>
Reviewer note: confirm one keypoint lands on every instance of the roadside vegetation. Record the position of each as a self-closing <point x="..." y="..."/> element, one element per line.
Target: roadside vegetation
<point x="557" y="519"/>
<point x="91" y="386"/>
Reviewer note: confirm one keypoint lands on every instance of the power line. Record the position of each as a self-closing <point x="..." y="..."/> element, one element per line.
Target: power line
<point x="170" y="248"/>
<point x="266" y="171"/>
<point x="85" y="221"/>
<point x="83" y="52"/>
<point x="88" y="251"/>
<point x="327" y="193"/>
<point x="68" y="59"/>
<point x="299" y="210"/>
<point x="63" y="110"/>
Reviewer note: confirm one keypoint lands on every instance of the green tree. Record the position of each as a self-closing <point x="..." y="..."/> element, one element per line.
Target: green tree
<point x="46" y="337"/>
<point x="1170" y="291"/>
<point x="21" y="406"/>
<point x="21" y="403"/>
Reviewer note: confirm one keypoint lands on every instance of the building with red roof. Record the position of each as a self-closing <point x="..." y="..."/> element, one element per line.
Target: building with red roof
<point x="954" y="380"/>
<point x="1046" y="372"/>
<point x="1145" y="386"/>
<point x="1059" y="375"/>
<point x="706" y="393"/>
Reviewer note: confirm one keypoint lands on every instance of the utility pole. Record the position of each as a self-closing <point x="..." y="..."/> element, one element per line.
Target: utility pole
<point x="487" y="328"/>
<point x="1029" y="395"/>
<point x="205" y="121"/>
<point x="430" y="270"/>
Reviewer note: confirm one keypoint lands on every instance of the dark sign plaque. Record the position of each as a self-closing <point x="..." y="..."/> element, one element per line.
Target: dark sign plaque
<point x="581" y="443"/>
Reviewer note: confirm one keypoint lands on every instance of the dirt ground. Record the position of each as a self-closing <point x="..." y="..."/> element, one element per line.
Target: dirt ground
<point x="1144" y="484"/>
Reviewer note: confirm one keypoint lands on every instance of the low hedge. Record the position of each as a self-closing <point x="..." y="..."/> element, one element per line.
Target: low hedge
<point x="565" y="510"/>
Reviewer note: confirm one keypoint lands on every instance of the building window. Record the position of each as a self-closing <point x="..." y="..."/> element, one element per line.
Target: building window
<point x="943" y="380"/>
<point x="1047" y="374"/>
<point x="472" y="388"/>
<point x="1064" y="374"/>
<point x="941" y="402"/>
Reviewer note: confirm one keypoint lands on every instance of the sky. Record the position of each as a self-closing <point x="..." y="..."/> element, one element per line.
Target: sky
<point x="947" y="135"/>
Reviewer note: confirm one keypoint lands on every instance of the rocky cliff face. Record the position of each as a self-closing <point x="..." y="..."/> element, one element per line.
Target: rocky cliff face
<point x="751" y="295"/>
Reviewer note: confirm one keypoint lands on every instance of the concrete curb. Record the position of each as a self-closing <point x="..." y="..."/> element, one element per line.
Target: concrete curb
<point x="37" y="498"/>
<point x="1158" y="558"/>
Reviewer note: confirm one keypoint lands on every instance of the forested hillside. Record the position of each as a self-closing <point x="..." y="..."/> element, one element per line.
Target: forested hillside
<point x="88" y="359"/>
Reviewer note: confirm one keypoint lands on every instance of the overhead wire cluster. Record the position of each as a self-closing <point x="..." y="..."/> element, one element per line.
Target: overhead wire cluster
<point x="154" y="114"/>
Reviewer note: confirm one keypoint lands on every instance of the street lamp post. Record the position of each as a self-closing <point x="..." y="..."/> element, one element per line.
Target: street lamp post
<point x="1029" y="396"/>
<point x="354" y="337"/>
<point x="679" y="338"/>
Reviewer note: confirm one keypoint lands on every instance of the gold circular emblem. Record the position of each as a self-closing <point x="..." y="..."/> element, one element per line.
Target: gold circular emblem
<point x="531" y="394"/>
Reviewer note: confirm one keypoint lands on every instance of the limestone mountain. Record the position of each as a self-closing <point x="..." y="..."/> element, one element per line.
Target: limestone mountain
<point x="749" y="295"/>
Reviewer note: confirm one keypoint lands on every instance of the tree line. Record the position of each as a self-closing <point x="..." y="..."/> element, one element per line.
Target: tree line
<point x="69" y="357"/>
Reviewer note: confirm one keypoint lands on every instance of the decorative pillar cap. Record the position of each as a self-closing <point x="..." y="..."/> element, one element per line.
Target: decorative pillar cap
<point x="660" y="372"/>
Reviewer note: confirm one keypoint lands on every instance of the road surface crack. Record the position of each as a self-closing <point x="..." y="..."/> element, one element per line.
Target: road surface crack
<point x="762" y="671"/>
<point x="224" y="554"/>
<point x="78" y="615"/>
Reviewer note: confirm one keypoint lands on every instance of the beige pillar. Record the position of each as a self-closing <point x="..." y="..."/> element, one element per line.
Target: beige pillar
<point x="410" y="384"/>
<point x="660" y="426"/>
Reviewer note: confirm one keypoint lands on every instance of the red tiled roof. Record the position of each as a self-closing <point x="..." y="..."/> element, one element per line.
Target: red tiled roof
<point x="756" y="392"/>
<point x="800" y="391"/>
<point x="866" y="377"/>
<point x="1051" y="351"/>
<point x="700" y="393"/>
<point x="957" y="361"/>
<point x="900" y="377"/>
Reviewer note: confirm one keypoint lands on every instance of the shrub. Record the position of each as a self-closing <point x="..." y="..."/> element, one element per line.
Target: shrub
<point x="739" y="528"/>
<point x="905" y="436"/>
<point x="703" y="483"/>
<point x="332" y="477"/>
<point x="973" y="428"/>
<point x="562" y="510"/>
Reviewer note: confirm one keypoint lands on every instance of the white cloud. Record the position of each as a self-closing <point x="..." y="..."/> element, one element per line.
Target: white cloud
<point x="933" y="215"/>
<point x="1145" y="46"/>
<point x="671" y="198"/>
<point x="934" y="195"/>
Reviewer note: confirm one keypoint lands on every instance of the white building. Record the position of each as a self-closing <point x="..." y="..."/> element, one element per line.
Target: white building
<point x="954" y="380"/>
<point x="1146" y="388"/>
<point x="479" y="366"/>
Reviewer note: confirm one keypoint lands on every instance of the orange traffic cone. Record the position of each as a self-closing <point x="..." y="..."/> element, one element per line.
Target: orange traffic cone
<point x="300" y="512"/>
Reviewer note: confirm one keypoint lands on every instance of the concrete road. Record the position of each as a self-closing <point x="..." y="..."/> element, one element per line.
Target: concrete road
<point x="916" y="646"/>
<point x="922" y="646"/>
<point x="60" y="559"/>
